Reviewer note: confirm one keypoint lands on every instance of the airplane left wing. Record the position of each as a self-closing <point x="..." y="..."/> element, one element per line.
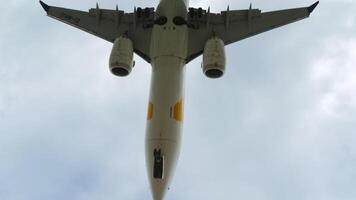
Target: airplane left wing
<point x="235" y="25"/>
<point x="110" y="24"/>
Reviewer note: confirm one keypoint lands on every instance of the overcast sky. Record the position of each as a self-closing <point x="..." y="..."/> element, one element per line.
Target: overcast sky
<point x="279" y="125"/>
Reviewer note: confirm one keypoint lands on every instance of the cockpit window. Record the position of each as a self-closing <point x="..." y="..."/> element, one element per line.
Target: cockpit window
<point x="162" y="20"/>
<point x="179" y="21"/>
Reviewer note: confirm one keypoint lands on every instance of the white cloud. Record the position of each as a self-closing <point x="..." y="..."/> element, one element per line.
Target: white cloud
<point x="279" y="125"/>
<point x="334" y="77"/>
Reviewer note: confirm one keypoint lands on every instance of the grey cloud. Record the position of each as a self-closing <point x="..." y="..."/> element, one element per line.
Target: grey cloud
<point x="70" y="130"/>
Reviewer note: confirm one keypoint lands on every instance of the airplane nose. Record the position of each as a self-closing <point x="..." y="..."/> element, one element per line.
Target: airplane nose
<point x="159" y="189"/>
<point x="161" y="157"/>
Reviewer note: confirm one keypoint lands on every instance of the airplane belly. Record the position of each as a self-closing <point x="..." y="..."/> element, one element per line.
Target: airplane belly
<point x="164" y="122"/>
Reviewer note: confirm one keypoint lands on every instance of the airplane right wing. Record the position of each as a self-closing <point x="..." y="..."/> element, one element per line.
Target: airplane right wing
<point x="110" y="24"/>
<point x="233" y="26"/>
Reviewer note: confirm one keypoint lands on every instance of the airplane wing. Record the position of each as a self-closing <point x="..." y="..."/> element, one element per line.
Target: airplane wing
<point x="110" y="24"/>
<point x="235" y="25"/>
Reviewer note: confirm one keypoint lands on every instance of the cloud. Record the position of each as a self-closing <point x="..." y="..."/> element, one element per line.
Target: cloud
<point x="279" y="125"/>
<point x="334" y="78"/>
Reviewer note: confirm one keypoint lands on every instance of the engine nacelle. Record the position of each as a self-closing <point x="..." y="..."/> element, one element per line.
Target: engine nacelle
<point x="214" y="58"/>
<point x="121" y="58"/>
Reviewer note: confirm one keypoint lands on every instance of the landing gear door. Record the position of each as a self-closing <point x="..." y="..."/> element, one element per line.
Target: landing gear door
<point x="158" y="166"/>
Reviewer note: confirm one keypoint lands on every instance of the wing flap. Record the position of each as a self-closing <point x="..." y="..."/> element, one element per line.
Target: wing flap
<point x="98" y="24"/>
<point x="108" y="25"/>
<point x="266" y="21"/>
<point x="233" y="26"/>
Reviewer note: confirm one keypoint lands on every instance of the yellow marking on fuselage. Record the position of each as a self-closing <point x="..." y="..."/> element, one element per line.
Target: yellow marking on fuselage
<point x="178" y="111"/>
<point x="150" y="111"/>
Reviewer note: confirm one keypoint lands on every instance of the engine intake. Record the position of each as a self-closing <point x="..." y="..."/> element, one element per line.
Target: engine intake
<point x="121" y="58"/>
<point x="214" y="58"/>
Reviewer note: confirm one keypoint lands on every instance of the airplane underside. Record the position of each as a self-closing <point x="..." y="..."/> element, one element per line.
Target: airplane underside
<point x="168" y="38"/>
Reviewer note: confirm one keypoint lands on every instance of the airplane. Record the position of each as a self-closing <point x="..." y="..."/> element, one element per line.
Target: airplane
<point x="169" y="37"/>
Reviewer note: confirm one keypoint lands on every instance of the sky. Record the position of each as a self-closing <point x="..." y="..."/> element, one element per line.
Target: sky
<point x="279" y="125"/>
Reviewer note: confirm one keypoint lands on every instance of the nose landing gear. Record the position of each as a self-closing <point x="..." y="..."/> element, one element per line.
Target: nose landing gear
<point x="158" y="164"/>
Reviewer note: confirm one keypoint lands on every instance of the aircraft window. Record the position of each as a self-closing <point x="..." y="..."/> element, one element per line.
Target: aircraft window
<point x="161" y="20"/>
<point x="179" y="21"/>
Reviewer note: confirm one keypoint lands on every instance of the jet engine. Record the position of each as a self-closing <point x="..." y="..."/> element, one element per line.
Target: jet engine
<point x="214" y="58"/>
<point x="121" y="58"/>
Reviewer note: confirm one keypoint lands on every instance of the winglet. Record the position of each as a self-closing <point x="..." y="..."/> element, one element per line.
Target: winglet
<point x="45" y="6"/>
<point x="312" y="7"/>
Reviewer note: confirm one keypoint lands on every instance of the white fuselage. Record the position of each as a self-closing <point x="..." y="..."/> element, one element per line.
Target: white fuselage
<point x="165" y="112"/>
